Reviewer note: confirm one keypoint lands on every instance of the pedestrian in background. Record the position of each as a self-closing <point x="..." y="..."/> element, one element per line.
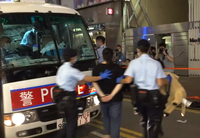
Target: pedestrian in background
<point x="166" y="56"/>
<point x="120" y="58"/>
<point x="100" y="41"/>
<point x="127" y="61"/>
<point x="152" y="52"/>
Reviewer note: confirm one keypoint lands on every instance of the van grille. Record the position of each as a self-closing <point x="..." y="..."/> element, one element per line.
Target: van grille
<point x="48" y="113"/>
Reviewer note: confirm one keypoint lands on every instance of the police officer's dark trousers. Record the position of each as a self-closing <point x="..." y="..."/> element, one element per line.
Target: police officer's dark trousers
<point x="71" y="114"/>
<point x="151" y="117"/>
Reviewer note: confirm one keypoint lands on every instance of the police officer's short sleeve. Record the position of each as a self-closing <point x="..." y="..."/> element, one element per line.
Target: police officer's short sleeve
<point x="78" y="75"/>
<point x="160" y="71"/>
<point x="130" y="70"/>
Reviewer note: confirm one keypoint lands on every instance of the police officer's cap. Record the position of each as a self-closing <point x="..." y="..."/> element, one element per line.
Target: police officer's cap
<point x="68" y="52"/>
<point x="144" y="43"/>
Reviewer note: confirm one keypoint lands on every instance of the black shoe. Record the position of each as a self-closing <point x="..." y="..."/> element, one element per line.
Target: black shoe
<point x="161" y="134"/>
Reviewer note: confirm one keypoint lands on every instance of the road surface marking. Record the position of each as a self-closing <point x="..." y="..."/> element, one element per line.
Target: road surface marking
<point x="97" y="134"/>
<point x="188" y="110"/>
<point x="102" y="128"/>
<point x="127" y="100"/>
<point x="123" y="129"/>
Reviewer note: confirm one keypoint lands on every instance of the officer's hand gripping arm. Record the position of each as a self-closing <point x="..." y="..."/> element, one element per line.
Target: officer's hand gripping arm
<point x="129" y="74"/>
<point x="126" y="80"/>
<point x="105" y="75"/>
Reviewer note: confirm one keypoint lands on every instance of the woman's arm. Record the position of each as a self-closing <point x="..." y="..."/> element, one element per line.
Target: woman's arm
<point x="99" y="91"/>
<point x="114" y="92"/>
<point x="117" y="88"/>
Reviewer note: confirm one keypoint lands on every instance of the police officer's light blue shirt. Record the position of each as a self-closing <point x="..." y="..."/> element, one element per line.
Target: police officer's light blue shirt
<point x="100" y="53"/>
<point x="27" y="39"/>
<point x="68" y="77"/>
<point x="121" y="58"/>
<point x="145" y="72"/>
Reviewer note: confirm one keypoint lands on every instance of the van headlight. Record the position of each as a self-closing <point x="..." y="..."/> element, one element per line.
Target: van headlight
<point x="7" y="120"/>
<point x="30" y="116"/>
<point x="96" y="100"/>
<point x="92" y="100"/>
<point x="18" y="118"/>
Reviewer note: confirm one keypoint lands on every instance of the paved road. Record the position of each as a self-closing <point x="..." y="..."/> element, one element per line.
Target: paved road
<point x="191" y="85"/>
<point x="130" y="125"/>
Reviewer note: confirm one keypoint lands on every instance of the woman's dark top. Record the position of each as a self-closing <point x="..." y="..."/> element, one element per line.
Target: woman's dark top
<point x="108" y="85"/>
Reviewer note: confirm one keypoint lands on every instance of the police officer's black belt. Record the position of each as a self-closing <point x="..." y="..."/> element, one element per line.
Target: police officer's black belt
<point x="149" y="96"/>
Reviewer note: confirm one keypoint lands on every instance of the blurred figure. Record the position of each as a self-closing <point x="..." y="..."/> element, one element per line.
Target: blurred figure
<point x="100" y="41"/>
<point x="127" y="61"/>
<point x="120" y="58"/>
<point x="152" y="52"/>
<point x="5" y="43"/>
<point x="28" y="42"/>
<point x="136" y="55"/>
<point x="165" y="56"/>
<point x="148" y="77"/>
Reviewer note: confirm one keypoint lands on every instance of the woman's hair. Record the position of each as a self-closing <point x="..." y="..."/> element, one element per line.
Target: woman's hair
<point x="108" y="55"/>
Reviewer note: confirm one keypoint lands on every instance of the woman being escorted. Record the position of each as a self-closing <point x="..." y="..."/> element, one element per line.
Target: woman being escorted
<point x="110" y="94"/>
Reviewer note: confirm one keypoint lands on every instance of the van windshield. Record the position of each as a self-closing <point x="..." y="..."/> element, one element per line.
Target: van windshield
<point x="30" y="39"/>
<point x="71" y="32"/>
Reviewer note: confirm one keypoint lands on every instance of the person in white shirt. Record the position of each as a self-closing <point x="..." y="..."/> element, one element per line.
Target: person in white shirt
<point x="68" y="78"/>
<point x="148" y="76"/>
<point x="100" y="40"/>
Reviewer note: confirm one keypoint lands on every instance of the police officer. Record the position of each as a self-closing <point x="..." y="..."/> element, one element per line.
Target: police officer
<point x="28" y="43"/>
<point x="148" y="77"/>
<point x="100" y="40"/>
<point x="67" y="79"/>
